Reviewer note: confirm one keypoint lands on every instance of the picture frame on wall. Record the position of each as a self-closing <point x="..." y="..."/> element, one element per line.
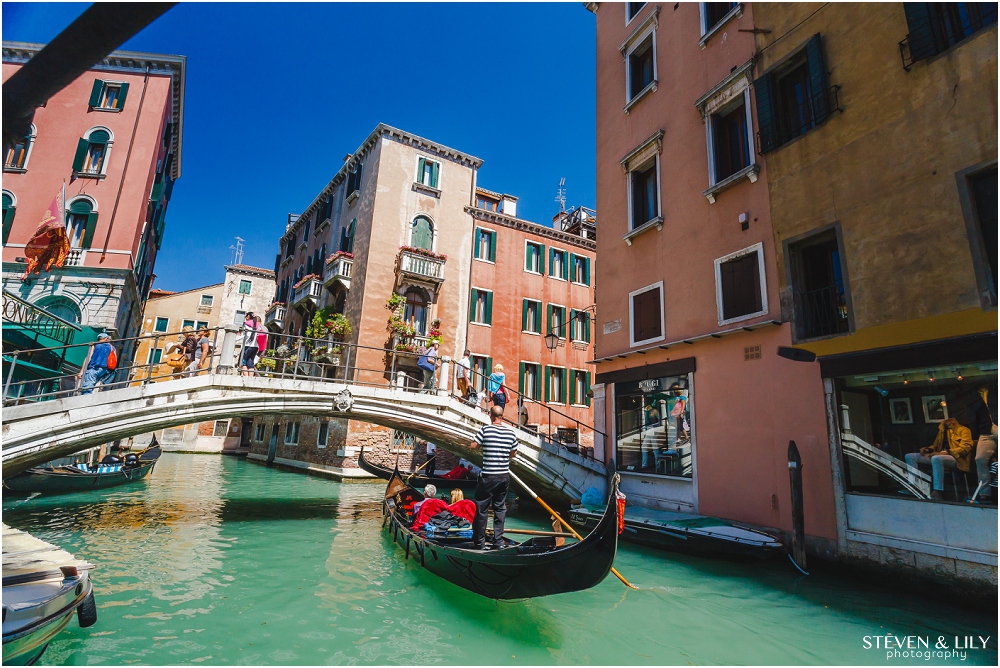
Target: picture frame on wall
<point x="935" y="408"/>
<point x="901" y="411"/>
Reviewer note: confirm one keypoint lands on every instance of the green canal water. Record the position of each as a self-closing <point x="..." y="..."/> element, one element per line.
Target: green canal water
<point x="218" y="561"/>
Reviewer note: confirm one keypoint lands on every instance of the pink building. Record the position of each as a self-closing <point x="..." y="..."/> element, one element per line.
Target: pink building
<point x="114" y="137"/>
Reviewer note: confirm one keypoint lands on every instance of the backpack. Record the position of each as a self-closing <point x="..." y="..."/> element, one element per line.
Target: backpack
<point x="112" y="359"/>
<point x="425" y="363"/>
<point x="177" y="359"/>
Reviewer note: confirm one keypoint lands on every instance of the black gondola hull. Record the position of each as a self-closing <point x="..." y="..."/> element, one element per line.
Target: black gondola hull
<point x="62" y="481"/>
<point x="419" y="481"/>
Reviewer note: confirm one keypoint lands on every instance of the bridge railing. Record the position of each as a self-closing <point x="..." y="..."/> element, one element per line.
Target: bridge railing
<point x="292" y="356"/>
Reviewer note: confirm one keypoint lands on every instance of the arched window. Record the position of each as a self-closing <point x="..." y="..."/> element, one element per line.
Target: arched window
<point x="16" y="153"/>
<point x="422" y="233"/>
<point x="416" y="310"/>
<point x="61" y="307"/>
<point x="93" y="152"/>
<point x="9" y="207"/>
<point x="81" y="219"/>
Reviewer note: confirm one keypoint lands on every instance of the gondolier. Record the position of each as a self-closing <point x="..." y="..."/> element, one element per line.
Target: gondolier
<point x="499" y="446"/>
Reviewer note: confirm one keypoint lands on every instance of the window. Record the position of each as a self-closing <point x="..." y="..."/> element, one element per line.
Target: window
<point x="305" y="231"/>
<point x="200" y="324"/>
<point x="415" y="310"/>
<point x="653" y="426"/>
<point x="793" y="99"/>
<point x="579" y="269"/>
<point x="481" y="307"/>
<point x="557" y="264"/>
<point x="645" y="196"/>
<point x="16" y="153"/>
<point x="92" y="153"/>
<point x="530" y="381"/>
<point x="983" y="193"/>
<point x="730" y="140"/>
<point x="485" y="245"/>
<point x="579" y="326"/>
<point x="188" y="323"/>
<point x="154" y="355"/>
<point x="161" y="324"/>
<point x="482" y="367"/>
<point x="427" y="172"/>
<point x="221" y="428"/>
<point x="245" y="287"/>
<point x="579" y="387"/>
<point x="108" y="95"/>
<point x="322" y="434"/>
<point x="531" y="316"/>
<point x="487" y="204"/>
<point x="534" y="257"/>
<point x="556" y="319"/>
<point x="555" y="385"/>
<point x="935" y="27"/>
<point x="258" y="432"/>
<point x="422" y="233"/>
<point x="206" y="300"/>
<point x="291" y="433"/>
<point x="633" y="8"/>
<point x="646" y="314"/>
<point x="81" y="222"/>
<point x="740" y="287"/>
<point x="347" y="237"/>
<point x="818" y="287"/>
<point x="641" y="67"/>
<point x="714" y="13"/>
<point x="353" y="182"/>
<point x="9" y="209"/>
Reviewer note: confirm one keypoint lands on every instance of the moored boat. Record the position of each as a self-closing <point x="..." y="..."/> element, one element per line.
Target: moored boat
<point x="536" y="567"/>
<point x="42" y="587"/>
<point x="83" y="477"/>
<point x="418" y="479"/>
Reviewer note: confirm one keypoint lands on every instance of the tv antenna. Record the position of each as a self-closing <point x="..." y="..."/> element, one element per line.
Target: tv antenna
<point x="561" y="196"/>
<point x="236" y="252"/>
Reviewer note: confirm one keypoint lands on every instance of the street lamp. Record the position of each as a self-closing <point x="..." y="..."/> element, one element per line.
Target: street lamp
<point x="552" y="338"/>
<point x="551" y="341"/>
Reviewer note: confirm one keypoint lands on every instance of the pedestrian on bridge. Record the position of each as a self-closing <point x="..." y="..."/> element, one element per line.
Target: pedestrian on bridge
<point x="100" y="365"/>
<point x="496" y="389"/>
<point x="499" y="444"/>
<point x="250" y="349"/>
<point x="428" y="364"/>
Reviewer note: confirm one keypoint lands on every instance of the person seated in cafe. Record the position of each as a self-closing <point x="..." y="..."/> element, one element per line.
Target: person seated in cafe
<point x="952" y="449"/>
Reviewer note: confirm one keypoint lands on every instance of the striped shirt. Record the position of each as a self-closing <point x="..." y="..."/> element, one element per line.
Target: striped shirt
<point x="497" y="443"/>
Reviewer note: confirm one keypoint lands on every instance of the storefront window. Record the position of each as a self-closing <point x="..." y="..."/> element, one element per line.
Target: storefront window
<point x="927" y="432"/>
<point x="653" y="426"/>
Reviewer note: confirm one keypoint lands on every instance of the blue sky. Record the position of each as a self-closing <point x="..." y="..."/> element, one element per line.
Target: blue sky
<point x="278" y="93"/>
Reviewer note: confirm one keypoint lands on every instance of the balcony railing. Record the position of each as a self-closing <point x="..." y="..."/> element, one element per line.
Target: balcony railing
<point x="339" y="270"/>
<point x="822" y="312"/>
<point x="76" y="257"/>
<point x="941" y="26"/>
<point x="421" y="266"/>
<point x="792" y="121"/>
<point x="275" y="316"/>
<point x="308" y="292"/>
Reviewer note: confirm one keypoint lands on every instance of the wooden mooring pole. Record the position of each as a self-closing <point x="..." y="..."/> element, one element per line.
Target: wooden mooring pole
<point x="798" y="514"/>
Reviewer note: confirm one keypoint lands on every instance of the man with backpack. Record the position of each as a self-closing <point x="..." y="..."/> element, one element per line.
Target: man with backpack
<point x="100" y="365"/>
<point x="428" y="364"/>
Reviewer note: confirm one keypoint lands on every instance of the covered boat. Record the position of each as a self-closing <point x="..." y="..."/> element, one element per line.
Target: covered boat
<point x="83" y="477"/>
<point x="418" y="480"/>
<point x="42" y="587"/>
<point x="536" y="567"/>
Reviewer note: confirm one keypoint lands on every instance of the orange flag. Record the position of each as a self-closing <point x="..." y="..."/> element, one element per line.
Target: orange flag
<point x="49" y="245"/>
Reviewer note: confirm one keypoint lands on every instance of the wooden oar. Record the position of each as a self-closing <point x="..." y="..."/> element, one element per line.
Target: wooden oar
<point x="565" y="524"/>
<point x="529" y="532"/>
<point x="418" y="469"/>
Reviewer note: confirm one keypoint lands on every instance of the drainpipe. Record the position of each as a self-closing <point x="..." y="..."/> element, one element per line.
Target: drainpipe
<point x="128" y="155"/>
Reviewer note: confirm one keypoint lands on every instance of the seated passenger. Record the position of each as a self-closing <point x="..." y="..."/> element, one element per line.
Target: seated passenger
<point x="950" y="450"/>
<point x="430" y="491"/>
<point x="457" y="473"/>
<point x="456" y="496"/>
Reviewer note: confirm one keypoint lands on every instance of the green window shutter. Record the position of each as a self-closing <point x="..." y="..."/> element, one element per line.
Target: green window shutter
<point x="572" y="386"/>
<point x="765" y="113"/>
<point x="586" y="387"/>
<point x="493" y="246"/>
<point x="538" y="381"/>
<point x="562" y="374"/>
<point x="81" y="155"/>
<point x="88" y="234"/>
<point x="489" y="308"/>
<point x="476" y="243"/>
<point x="565" y="269"/>
<point x="524" y="314"/>
<point x="586" y="326"/>
<point x="817" y="78"/>
<point x="434" y="174"/>
<point x="541" y="259"/>
<point x="920" y="38"/>
<point x="548" y="318"/>
<point x="95" y="92"/>
<point x="586" y="270"/>
<point x="552" y="254"/>
<point x="8" y="217"/>
<point x="520" y="379"/>
<point x="421" y="165"/>
<point x="121" y="97"/>
<point x="528" y="251"/>
<point x="486" y="373"/>
<point x="572" y="267"/>
<point x="548" y="383"/>
<point x="472" y="304"/>
<point x="538" y="318"/>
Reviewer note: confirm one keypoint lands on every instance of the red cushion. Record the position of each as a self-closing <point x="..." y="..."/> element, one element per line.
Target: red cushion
<point x="428" y="509"/>
<point x="465" y="509"/>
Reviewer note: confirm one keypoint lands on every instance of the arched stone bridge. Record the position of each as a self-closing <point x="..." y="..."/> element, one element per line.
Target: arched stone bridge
<point x="39" y="432"/>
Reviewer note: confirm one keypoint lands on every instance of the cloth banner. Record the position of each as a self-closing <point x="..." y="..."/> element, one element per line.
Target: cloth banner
<point x="49" y="245"/>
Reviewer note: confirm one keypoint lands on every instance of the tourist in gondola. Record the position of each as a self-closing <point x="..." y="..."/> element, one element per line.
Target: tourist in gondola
<point x="499" y="444"/>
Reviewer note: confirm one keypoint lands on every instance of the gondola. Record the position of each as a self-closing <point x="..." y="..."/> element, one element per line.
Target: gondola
<point x="468" y="486"/>
<point x="81" y="477"/>
<point x="536" y="567"/>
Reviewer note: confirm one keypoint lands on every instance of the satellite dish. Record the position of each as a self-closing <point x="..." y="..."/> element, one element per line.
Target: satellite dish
<point x="796" y="354"/>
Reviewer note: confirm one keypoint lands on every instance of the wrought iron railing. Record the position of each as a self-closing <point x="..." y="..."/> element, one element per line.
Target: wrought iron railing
<point x="822" y="312"/>
<point x="791" y="121"/>
<point x="941" y="26"/>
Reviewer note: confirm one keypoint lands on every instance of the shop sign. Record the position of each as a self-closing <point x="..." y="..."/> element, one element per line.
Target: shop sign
<point x="649" y="385"/>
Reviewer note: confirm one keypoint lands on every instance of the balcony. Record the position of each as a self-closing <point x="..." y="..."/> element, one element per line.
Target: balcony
<point x="75" y="258"/>
<point x="274" y="317"/>
<point x="339" y="269"/>
<point x="307" y="293"/>
<point x="422" y="268"/>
